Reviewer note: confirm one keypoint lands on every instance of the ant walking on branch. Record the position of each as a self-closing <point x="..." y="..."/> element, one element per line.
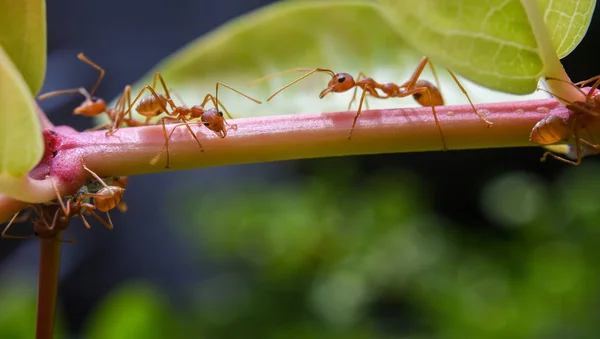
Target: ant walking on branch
<point x="424" y="92"/>
<point x="554" y="129"/>
<point x="155" y="104"/>
<point x="93" y="106"/>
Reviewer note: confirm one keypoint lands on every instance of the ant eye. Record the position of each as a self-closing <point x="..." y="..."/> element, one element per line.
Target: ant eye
<point x="220" y="113"/>
<point x="206" y="123"/>
<point x="94" y="98"/>
<point x="341" y="79"/>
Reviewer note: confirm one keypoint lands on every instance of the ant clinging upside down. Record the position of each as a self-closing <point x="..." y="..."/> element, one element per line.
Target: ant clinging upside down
<point x="553" y="129"/>
<point x="424" y="92"/>
<point x="155" y="104"/>
<point x="52" y="218"/>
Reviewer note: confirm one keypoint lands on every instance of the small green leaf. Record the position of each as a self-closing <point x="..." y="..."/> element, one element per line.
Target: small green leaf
<point x="21" y="144"/>
<point x="488" y="42"/>
<point x="344" y="36"/>
<point x="23" y="36"/>
<point x="567" y="22"/>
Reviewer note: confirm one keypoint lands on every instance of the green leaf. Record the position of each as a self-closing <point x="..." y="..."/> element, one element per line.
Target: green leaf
<point x="491" y="42"/>
<point x="21" y="144"/>
<point x="23" y="36"/>
<point x="135" y="310"/>
<point x="567" y="21"/>
<point x="345" y="36"/>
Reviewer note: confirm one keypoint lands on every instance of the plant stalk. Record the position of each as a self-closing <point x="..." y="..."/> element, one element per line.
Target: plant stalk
<point x="49" y="265"/>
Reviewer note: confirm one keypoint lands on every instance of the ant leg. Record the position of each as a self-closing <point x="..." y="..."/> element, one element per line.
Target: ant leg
<point x="23" y="217"/>
<point x="154" y="160"/>
<point x="66" y="209"/>
<point x="585" y="82"/>
<point x="79" y="90"/>
<point x="91" y="209"/>
<point x="362" y="99"/>
<point x="153" y="92"/>
<point x="437" y="122"/>
<point x="86" y="224"/>
<point x="83" y="58"/>
<point x="360" y="75"/>
<point x="68" y="241"/>
<point x="119" y="111"/>
<point x="567" y="161"/>
<point x="566" y="82"/>
<point x="8" y="236"/>
<point x="95" y="177"/>
<point x="462" y="89"/>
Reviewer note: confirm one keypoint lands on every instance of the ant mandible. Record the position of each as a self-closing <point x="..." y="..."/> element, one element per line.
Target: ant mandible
<point x="155" y="104"/>
<point x="554" y="129"/>
<point x="424" y="92"/>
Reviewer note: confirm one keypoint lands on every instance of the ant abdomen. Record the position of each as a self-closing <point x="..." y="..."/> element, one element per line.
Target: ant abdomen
<point x="433" y="99"/>
<point x="549" y="130"/>
<point x="152" y="106"/>
<point x="107" y="199"/>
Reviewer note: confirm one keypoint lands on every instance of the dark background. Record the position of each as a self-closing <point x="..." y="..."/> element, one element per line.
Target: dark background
<point x="130" y="37"/>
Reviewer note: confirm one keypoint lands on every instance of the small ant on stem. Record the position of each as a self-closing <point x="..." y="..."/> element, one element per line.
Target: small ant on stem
<point x="155" y="104"/>
<point x="424" y="92"/>
<point x="93" y="106"/>
<point x="554" y="129"/>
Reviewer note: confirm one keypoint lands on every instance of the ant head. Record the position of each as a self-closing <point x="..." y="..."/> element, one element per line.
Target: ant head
<point x="214" y="121"/>
<point x="91" y="107"/>
<point x="340" y="82"/>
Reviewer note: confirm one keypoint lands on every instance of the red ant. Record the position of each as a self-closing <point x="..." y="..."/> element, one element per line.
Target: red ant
<point x="424" y="92"/>
<point x="156" y="104"/>
<point x="93" y="106"/>
<point x="47" y="223"/>
<point x="554" y="129"/>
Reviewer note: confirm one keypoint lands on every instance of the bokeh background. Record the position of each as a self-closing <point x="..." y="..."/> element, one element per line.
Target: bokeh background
<point x="483" y="243"/>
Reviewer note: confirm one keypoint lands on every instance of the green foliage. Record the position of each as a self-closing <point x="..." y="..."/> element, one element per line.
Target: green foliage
<point x="18" y="312"/>
<point x="345" y="36"/>
<point x="23" y="37"/>
<point x="491" y="43"/>
<point x="21" y="143"/>
<point x="135" y="310"/>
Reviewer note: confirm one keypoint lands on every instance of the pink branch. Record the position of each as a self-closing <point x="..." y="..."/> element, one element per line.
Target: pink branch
<point x="284" y="137"/>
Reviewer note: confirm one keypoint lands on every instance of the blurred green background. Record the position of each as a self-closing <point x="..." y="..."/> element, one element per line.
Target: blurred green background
<point x="342" y="255"/>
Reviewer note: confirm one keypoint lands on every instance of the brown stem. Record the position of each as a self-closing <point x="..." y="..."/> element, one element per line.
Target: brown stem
<point x="47" y="287"/>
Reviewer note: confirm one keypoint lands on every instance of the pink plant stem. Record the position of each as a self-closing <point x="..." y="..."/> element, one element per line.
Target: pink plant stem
<point x="283" y="137"/>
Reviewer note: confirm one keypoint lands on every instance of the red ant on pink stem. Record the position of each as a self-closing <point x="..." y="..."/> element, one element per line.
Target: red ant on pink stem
<point x="553" y="129"/>
<point x="52" y="218"/>
<point x="155" y="104"/>
<point x="424" y="92"/>
<point x="93" y="106"/>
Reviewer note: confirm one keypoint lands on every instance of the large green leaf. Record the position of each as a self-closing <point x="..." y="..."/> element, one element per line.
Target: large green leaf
<point x="345" y="36"/>
<point x="23" y="36"/>
<point x="21" y="144"/>
<point x="489" y="42"/>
